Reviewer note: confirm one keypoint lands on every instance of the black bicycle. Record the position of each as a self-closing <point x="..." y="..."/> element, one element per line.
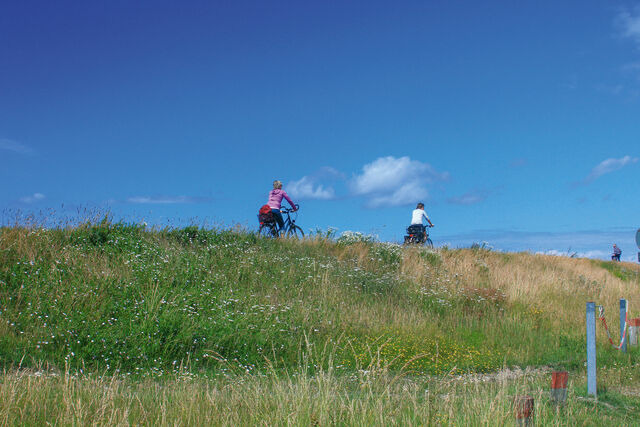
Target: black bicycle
<point x="290" y="229"/>
<point x="418" y="235"/>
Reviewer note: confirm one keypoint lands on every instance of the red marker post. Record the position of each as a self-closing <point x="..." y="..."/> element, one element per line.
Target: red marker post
<point x="524" y="410"/>
<point x="559" y="380"/>
<point x="634" y="328"/>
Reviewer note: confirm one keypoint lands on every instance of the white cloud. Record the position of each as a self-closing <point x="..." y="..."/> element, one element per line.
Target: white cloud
<point x="328" y="173"/>
<point x="608" y="166"/>
<point x="35" y="197"/>
<point x="629" y="24"/>
<point x="390" y="181"/>
<point x="166" y="200"/>
<point x="7" y="144"/>
<point x="576" y="254"/>
<point x="470" y="198"/>
<point x="317" y="185"/>
<point x="306" y="188"/>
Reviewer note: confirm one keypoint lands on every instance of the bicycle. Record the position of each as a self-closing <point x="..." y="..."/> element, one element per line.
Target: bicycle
<point x="290" y="229"/>
<point x="418" y="236"/>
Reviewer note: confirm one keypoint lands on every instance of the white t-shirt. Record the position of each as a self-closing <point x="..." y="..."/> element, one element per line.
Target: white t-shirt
<point x="417" y="215"/>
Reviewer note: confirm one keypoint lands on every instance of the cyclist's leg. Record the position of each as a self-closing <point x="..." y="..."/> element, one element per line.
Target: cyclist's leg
<point x="278" y="217"/>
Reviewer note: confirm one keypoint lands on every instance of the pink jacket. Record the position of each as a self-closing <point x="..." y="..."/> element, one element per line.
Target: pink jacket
<point x="275" y="199"/>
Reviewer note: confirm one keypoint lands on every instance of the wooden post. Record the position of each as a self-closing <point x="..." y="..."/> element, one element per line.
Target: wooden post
<point x="591" y="349"/>
<point x="524" y="410"/>
<point x="623" y="317"/>
<point x="559" y="381"/>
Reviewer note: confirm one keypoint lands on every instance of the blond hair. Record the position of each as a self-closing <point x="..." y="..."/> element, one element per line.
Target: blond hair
<point x="277" y="184"/>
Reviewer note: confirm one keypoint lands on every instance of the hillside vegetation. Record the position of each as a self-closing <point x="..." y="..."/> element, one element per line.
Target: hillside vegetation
<point x="125" y="301"/>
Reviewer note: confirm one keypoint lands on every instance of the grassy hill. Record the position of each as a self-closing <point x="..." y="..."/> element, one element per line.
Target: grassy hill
<point x="121" y="301"/>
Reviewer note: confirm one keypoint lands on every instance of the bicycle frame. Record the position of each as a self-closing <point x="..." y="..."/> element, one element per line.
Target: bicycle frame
<point x="288" y="222"/>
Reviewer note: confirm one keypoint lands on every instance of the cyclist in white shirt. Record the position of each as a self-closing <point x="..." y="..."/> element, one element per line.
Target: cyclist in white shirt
<point x="418" y="214"/>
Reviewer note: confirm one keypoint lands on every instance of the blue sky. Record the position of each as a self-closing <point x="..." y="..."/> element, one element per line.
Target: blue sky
<point x="516" y="124"/>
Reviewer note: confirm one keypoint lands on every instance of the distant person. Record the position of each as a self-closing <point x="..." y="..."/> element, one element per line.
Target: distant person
<point x="616" y="253"/>
<point x="418" y="215"/>
<point x="275" y="202"/>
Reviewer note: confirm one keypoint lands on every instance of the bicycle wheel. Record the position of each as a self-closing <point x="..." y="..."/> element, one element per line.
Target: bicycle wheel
<point x="267" y="230"/>
<point x="428" y="243"/>
<point x="295" y="232"/>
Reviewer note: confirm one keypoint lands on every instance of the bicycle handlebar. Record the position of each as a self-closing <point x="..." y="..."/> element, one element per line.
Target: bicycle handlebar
<point x="289" y="210"/>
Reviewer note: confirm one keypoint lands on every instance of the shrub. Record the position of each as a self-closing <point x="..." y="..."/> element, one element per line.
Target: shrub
<point x="481" y="246"/>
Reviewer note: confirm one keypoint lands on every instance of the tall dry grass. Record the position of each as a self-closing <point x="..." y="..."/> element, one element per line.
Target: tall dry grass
<point x="369" y="397"/>
<point x="555" y="284"/>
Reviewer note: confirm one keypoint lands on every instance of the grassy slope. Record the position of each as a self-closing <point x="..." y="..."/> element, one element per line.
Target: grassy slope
<point x="119" y="298"/>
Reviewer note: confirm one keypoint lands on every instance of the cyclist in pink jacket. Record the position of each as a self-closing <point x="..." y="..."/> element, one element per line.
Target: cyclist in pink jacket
<point x="275" y="201"/>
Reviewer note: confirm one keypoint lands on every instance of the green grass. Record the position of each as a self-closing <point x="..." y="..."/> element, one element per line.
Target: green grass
<point x="126" y="301"/>
<point x="619" y="270"/>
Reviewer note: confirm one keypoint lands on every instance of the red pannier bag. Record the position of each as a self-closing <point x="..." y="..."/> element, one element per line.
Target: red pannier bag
<point x="265" y="215"/>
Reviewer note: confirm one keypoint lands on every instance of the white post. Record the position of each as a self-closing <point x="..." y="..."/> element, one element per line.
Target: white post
<point x="623" y="323"/>
<point x="591" y="348"/>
